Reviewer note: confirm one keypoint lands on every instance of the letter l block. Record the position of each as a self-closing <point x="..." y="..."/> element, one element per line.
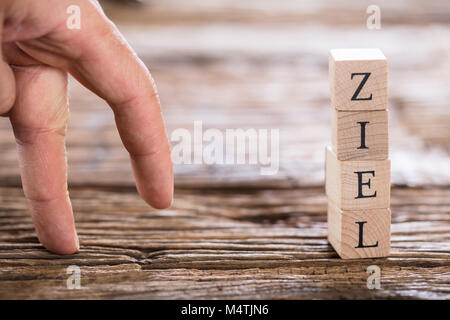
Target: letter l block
<point x="359" y="234"/>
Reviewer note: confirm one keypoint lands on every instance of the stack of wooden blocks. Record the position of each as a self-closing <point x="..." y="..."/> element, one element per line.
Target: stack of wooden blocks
<point x="357" y="165"/>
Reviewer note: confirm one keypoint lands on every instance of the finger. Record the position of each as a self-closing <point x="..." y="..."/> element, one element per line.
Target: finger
<point x="111" y="69"/>
<point x="13" y="55"/>
<point x="7" y="81"/>
<point x="99" y="57"/>
<point x="39" y="119"/>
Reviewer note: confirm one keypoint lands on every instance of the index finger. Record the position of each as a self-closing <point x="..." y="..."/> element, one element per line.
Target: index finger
<point x="109" y="67"/>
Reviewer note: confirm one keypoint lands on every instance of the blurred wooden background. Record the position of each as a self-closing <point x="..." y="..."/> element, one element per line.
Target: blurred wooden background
<point x="233" y="233"/>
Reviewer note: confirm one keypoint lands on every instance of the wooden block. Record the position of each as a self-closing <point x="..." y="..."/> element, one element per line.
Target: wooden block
<point x="360" y="135"/>
<point x="359" y="234"/>
<point x="361" y="184"/>
<point x="358" y="79"/>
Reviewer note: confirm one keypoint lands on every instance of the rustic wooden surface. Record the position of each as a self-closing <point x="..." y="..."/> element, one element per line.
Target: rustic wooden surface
<point x="231" y="232"/>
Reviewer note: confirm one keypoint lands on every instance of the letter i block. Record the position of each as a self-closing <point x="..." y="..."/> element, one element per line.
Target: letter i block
<point x="355" y="185"/>
<point x="358" y="79"/>
<point x="361" y="233"/>
<point x="360" y="135"/>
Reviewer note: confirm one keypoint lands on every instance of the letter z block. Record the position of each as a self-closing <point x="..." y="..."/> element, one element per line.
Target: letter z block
<point x="359" y="234"/>
<point x="354" y="185"/>
<point x="358" y="79"/>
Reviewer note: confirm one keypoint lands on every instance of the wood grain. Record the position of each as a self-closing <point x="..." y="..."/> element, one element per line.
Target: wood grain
<point x="361" y="184"/>
<point x="358" y="79"/>
<point x="233" y="233"/>
<point x="223" y="244"/>
<point x="359" y="234"/>
<point x="347" y="127"/>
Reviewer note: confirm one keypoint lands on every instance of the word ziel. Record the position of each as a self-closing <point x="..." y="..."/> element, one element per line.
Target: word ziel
<point x="232" y="147"/>
<point x="357" y="165"/>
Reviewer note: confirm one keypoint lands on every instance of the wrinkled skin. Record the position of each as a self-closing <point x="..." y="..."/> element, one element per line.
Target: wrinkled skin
<point x="38" y="51"/>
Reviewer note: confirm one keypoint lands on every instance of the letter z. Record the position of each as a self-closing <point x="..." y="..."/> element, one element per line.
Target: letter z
<point x="361" y="85"/>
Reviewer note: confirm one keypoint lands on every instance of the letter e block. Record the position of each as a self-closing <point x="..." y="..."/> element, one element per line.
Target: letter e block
<point x="359" y="234"/>
<point x="358" y="79"/>
<point x="361" y="184"/>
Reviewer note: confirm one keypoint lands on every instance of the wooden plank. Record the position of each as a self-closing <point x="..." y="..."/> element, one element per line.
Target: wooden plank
<point x="223" y="244"/>
<point x="233" y="233"/>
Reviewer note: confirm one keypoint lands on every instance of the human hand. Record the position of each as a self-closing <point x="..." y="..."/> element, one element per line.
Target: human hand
<point x="38" y="49"/>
